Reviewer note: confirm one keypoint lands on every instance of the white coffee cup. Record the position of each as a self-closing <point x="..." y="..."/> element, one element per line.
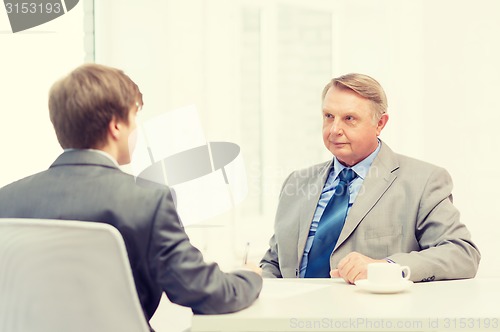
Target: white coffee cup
<point x="387" y="273"/>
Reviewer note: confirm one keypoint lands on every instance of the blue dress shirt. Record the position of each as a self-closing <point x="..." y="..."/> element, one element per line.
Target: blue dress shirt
<point x="331" y="183"/>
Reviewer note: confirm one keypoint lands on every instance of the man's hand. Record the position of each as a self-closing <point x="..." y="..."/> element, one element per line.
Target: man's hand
<point x="354" y="267"/>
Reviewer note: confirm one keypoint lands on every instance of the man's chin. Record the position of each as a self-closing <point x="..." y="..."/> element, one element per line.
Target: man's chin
<point x="339" y="150"/>
<point x="123" y="161"/>
<point x="343" y="158"/>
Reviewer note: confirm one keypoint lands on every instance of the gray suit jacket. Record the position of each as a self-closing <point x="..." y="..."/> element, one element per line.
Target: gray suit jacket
<point x="84" y="185"/>
<point x="403" y="212"/>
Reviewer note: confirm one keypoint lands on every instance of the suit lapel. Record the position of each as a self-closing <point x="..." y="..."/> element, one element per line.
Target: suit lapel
<point x="314" y="187"/>
<point x="381" y="175"/>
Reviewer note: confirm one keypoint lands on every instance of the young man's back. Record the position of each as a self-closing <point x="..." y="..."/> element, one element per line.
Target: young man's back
<point x="86" y="184"/>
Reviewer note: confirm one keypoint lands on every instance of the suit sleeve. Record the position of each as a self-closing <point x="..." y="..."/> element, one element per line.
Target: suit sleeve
<point x="446" y="248"/>
<point x="179" y="268"/>
<point x="270" y="262"/>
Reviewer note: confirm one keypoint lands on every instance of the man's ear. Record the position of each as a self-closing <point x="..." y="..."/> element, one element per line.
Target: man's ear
<point x="114" y="128"/>
<point x="382" y="122"/>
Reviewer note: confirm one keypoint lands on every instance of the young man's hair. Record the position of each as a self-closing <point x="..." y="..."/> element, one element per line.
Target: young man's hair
<point x="82" y="104"/>
<point x="365" y="86"/>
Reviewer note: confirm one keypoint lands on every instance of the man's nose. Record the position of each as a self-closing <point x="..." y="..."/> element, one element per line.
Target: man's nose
<point x="336" y="128"/>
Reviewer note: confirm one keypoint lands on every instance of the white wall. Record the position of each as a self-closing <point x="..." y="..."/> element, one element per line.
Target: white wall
<point x="30" y="62"/>
<point x="254" y="75"/>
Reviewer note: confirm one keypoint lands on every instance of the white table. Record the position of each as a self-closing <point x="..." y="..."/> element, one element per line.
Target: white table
<point x="333" y="305"/>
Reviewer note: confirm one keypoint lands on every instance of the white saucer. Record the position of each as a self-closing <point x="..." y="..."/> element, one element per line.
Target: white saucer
<point x="365" y="284"/>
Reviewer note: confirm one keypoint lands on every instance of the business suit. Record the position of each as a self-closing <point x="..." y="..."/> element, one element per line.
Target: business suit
<point x="403" y="212"/>
<point x="85" y="185"/>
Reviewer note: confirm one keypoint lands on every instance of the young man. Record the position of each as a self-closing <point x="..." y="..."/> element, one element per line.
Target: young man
<point x="93" y="111"/>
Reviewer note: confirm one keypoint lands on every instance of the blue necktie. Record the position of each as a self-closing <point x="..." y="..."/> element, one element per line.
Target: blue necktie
<point x="329" y="227"/>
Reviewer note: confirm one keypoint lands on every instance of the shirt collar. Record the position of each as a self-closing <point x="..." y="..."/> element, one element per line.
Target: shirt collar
<point x="105" y="154"/>
<point x="361" y="168"/>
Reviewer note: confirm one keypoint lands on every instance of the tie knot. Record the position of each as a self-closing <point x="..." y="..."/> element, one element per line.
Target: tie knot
<point x="347" y="175"/>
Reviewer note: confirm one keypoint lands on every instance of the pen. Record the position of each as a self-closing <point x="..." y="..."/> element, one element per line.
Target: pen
<point x="245" y="257"/>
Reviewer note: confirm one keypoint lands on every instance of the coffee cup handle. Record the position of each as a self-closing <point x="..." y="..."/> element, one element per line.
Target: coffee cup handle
<point x="406" y="271"/>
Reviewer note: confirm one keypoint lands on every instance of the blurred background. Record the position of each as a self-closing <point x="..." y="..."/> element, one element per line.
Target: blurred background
<point x="255" y="70"/>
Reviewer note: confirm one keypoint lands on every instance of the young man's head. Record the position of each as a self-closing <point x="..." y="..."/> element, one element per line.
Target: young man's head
<point x="94" y="107"/>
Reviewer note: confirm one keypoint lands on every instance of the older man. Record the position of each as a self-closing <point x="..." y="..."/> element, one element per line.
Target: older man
<point x="368" y="204"/>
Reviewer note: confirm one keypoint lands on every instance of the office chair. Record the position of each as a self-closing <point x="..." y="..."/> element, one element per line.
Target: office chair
<point x="66" y="276"/>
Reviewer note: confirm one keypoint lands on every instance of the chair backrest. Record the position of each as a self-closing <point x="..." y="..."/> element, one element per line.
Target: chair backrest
<point x="71" y="276"/>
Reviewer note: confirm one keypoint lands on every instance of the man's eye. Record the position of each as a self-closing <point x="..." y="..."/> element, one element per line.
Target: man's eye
<point x="349" y="118"/>
<point x="328" y="115"/>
